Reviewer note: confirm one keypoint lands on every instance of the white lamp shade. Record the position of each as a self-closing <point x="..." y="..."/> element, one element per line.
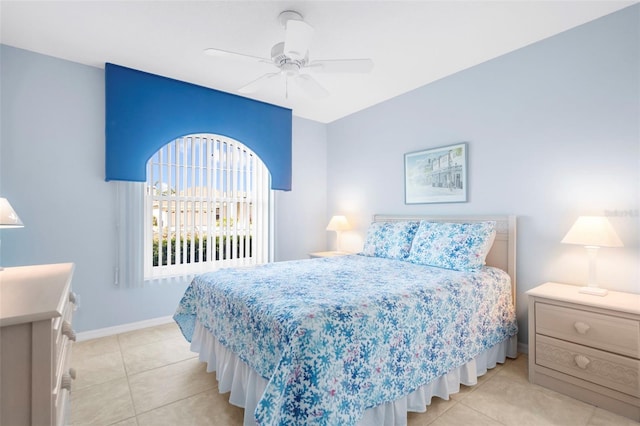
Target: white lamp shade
<point x="594" y="231"/>
<point x="338" y="223"/>
<point x="8" y="217"/>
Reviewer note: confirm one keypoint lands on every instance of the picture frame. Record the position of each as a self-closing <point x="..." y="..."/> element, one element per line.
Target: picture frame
<point x="436" y="175"/>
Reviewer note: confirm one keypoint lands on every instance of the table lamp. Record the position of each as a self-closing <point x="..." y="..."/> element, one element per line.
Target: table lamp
<point x="338" y="224"/>
<point x="592" y="232"/>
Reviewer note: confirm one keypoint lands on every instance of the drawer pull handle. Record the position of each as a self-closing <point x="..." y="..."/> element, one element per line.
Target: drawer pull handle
<point x="581" y="327"/>
<point x="67" y="330"/>
<point x="65" y="383"/>
<point x="582" y="361"/>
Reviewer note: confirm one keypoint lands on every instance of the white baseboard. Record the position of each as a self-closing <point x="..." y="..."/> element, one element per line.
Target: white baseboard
<point x="110" y="331"/>
<point x="523" y="348"/>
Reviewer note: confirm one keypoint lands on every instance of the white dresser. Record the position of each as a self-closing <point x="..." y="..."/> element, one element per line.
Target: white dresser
<point x="36" y="309"/>
<point x="585" y="346"/>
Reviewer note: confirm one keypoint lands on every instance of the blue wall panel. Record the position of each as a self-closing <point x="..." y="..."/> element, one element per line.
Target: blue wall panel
<point x="145" y="112"/>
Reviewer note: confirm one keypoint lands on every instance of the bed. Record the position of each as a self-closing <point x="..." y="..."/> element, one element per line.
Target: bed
<point x="365" y="338"/>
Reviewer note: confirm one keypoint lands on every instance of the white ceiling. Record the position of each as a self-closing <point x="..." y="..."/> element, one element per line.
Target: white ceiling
<point x="411" y="42"/>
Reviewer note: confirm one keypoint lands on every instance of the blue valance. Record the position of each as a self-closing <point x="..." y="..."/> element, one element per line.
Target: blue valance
<point x="145" y="112"/>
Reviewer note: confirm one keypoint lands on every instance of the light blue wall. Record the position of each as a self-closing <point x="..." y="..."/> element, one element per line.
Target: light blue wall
<point x="301" y="216"/>
<point x="553" y="132"/>
<point x="52" y="170"/>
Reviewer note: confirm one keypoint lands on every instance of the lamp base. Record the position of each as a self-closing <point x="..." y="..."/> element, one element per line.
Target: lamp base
<point x="594" y="291"/>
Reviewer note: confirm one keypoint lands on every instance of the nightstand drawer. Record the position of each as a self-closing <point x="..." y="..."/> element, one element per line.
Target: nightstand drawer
<point x="599" y="367"/>
<point x="610" y="333"/>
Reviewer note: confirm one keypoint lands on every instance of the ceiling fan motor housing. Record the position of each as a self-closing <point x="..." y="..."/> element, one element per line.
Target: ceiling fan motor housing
<point x="284" y="62"/>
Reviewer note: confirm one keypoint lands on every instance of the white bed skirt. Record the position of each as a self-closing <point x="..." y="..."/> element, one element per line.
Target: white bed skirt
<point x="246" y="386"/>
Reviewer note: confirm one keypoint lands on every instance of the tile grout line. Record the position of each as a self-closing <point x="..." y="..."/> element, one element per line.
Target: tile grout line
<point x="489" y="375"/>
<point x="475" y="388"/>
<point x="472" y="388"/>
<point x="126" y="373"/>
<point x="480" y="413"/>
<point x="151" y="369"/>
<point x="176" y="401"/>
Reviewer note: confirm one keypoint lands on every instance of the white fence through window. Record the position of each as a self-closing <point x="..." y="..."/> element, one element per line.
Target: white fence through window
<point x="206" y="207"/>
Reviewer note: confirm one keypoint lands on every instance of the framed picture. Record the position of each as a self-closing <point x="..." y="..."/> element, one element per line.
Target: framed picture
<point x="437" y="175"/>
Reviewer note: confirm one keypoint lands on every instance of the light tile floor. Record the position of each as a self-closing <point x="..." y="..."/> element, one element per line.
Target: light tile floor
<point x="149" y="377"/>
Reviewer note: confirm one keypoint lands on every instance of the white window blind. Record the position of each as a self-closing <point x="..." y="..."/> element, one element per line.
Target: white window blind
<point x="206" y="206"/>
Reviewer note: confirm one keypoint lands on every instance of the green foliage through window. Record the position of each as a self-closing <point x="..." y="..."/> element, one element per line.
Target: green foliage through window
<point x="233" y="251"/>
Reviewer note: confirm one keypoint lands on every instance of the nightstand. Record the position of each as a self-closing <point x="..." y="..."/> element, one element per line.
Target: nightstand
<point x="587" y="347"/>
<point x="328" y="254"/>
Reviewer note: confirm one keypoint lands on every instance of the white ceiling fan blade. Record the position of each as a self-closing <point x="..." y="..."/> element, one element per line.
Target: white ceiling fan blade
<point x="297" y="39"/>
<point x="341" y="66"/>
<point x="258" y="83"/>
<point x="310" y="86"/>
<point x="219" y="53"/>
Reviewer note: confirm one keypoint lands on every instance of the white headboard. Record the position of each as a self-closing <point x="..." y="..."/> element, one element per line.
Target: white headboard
<point x="503" y="252"/>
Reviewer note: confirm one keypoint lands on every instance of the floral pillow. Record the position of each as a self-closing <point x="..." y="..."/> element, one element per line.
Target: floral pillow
<point x="389" y="239"/>
<point x="458" y="246"/>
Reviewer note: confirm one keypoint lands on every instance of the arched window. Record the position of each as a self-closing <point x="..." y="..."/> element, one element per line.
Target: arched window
<point x="206" y="206"/>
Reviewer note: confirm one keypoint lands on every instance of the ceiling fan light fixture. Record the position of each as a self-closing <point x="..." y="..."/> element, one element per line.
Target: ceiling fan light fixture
<point x="290" y="69"/>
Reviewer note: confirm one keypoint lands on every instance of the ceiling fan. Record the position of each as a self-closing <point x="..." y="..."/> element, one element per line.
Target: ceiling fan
<point x="291" y="60"/>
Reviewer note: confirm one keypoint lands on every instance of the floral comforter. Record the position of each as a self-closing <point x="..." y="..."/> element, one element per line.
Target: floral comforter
<point x="336" y="336"/>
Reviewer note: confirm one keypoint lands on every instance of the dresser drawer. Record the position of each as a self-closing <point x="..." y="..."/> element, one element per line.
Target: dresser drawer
<point x="610" y="333"/>
<point x="595" y="366"/>
<point x="63" y="332"/>
<point x="61" y="394"/>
